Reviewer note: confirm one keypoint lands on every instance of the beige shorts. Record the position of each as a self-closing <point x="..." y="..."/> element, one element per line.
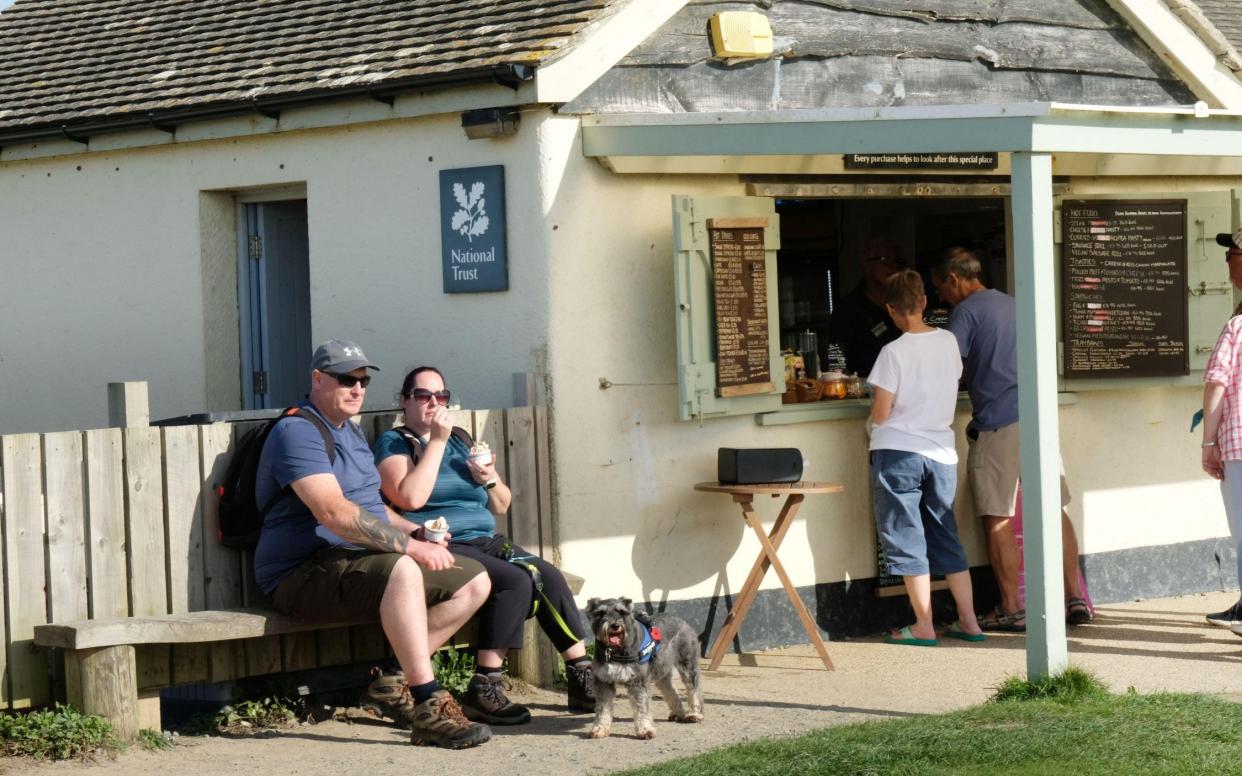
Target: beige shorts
<point x="994" y="466"/>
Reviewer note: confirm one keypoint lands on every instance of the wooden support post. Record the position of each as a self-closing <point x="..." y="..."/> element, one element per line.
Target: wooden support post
<point x="104" y="681"/>
<point x="128" y="405"/>
<point x="149" y="710"/>
<point x="1035" y="281"/>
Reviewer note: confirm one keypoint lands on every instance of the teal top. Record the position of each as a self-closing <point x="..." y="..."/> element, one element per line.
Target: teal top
<point x="456" y="496"/>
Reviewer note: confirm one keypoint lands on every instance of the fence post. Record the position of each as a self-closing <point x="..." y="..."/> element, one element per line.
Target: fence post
<point x="536" y="662"/>
<point x="128" y="405"/>
<point x="525" y="389"/>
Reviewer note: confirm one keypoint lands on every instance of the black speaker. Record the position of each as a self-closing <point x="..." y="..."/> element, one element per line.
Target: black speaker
<point x="758" y="465"/>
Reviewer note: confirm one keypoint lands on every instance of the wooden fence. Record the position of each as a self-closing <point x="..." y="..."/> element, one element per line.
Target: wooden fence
<point x="122" y="522"/>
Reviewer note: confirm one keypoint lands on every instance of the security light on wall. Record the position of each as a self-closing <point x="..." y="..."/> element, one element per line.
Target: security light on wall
<point x="490" y="122"/>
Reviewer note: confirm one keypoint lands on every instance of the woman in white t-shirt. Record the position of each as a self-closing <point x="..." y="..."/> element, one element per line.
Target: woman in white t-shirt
<point x="914" y="463"/>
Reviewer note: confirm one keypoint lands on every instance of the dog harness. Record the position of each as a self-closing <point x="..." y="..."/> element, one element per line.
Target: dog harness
<point x="648" y="646"/>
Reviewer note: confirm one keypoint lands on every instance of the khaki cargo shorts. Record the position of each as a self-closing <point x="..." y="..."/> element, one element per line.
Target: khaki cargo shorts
<point x="338" y="584"/>
<point x="994" y="466"/>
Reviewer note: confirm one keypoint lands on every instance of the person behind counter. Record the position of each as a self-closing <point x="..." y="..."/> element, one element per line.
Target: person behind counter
<point x="914" y="462"/>
<point x="429" y="469"/>
<point x="1222" y="420"/>
<point x="861" y="325"/>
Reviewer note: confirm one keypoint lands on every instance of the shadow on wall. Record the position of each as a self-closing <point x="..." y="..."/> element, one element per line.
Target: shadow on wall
<point x="684" y="541"/>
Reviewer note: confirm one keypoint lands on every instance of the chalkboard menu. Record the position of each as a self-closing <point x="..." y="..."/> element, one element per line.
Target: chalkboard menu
<point x="1124" y="288"/>
<point x="740" y="289"/>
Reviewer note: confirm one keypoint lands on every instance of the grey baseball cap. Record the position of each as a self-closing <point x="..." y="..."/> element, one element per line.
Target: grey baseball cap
<point x="340" y="356"/>
<point x="1226" y="240"/>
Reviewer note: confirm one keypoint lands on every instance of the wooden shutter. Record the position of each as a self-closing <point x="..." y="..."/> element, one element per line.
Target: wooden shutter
<point x="696" y="329"/>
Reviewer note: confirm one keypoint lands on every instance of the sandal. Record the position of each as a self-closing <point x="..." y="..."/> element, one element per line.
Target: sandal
<point x="1077" y="612"/>
<point x="998" y="620"/>
<point x="955" y="632"/>
<point x="904" y="636"/>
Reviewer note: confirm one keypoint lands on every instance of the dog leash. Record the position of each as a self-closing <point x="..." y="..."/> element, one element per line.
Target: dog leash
<point x="526" y="562"/>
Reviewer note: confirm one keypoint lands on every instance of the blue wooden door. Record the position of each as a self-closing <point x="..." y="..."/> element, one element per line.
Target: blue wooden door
<point x="276" y="344"/>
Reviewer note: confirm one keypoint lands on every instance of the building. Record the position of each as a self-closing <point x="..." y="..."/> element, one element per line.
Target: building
<point x="146" y="154"/>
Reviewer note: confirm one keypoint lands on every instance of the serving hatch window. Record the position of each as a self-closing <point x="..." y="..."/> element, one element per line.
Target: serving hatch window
<point x="762" y="277"/>
<point x="832" y="248"/>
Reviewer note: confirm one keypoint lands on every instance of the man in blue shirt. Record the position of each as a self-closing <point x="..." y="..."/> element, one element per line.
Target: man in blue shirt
<point x="985" y="323"/>
<point x="331" y="551"/>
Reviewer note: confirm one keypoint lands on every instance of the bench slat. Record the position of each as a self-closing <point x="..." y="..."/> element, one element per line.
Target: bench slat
<point x="191" y="628"/>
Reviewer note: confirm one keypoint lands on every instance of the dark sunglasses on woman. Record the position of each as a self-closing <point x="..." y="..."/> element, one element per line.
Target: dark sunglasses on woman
<point x="422" y="396"/>
<point x="349" y="381"/>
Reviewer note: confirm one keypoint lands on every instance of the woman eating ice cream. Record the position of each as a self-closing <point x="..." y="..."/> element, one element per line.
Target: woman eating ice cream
<point x="429" y="469"/>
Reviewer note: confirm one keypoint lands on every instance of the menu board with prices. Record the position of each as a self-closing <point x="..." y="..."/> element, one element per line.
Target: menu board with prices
<point x="1124" y="288"/>
<point x="740" y="290"/>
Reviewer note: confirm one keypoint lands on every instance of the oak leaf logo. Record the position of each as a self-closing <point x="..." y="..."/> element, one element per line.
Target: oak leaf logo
<point x="470" y="220"/>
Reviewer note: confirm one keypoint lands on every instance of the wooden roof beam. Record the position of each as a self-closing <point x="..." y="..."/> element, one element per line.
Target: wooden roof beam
<point x="1184" y="47"/>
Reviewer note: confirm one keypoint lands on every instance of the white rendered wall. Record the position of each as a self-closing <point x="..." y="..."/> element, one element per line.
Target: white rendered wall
<point x="101" y="260"/>
<point x="626" y="466"/>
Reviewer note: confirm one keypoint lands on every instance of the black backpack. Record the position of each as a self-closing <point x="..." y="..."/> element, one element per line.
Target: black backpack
<point x="241" y="518"/>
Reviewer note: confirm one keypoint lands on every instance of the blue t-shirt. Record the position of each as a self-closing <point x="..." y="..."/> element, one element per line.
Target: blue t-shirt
<point x="456" y="496"/>
<point x="295" y="449"/>
<point x="985" y="324"/>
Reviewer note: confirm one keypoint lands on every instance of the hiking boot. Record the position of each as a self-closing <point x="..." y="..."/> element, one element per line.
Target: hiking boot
<point x="438" y="721"/>
<point x="389" y="696"/>
<point x="485" y="701"/>
<point x="1226" y="618"/>
<point x="581" y="682"/>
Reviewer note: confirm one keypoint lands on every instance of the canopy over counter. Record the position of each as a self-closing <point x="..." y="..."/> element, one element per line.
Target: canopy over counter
<point x="1031" y="134"/>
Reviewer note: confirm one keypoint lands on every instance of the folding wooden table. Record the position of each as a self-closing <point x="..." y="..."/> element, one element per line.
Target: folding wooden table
<point x="744" y="495"/>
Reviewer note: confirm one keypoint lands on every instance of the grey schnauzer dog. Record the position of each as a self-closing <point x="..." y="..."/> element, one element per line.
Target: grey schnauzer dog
<point x="639" y="651"/>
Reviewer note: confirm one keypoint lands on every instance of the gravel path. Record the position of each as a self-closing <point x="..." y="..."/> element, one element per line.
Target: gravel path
<point x="1150" y="645"/>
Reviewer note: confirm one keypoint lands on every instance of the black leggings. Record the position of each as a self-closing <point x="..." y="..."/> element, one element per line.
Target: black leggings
<point x="502" y="615"/>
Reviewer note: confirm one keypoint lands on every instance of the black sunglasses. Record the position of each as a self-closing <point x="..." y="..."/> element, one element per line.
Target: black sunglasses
<point x="890" y="259"/>
<point x="422" y="396"/>
<point x="349" y="381"/>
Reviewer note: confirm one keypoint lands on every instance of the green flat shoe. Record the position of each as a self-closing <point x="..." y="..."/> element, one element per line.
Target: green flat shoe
<point x="955" y="632"/>
<point x="904" y="636"/>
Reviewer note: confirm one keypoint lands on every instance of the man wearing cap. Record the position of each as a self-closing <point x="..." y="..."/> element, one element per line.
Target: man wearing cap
<point x="1222" y="420"/>
<point x="331" y="551"/>
<point x="861" y="325"/>
<point x="985" y="323"/>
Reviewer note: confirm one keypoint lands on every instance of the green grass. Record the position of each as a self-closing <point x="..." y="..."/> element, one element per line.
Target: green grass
<point x="1067" y="725"/>
<point x="153" y="740"/>
<point x="62" y="733"/>
<point x="249" y="715"/>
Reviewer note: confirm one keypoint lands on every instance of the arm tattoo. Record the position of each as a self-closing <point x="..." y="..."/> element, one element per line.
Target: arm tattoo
<point x="369" y="531"/>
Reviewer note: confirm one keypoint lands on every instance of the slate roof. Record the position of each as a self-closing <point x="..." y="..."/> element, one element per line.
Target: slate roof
<point x="82" y="62"/>
<point x="1226" y="16"/>
<point x="877" y="53"/>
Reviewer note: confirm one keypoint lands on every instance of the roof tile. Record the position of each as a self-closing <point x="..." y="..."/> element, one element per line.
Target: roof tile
<point x="78" y="61"/>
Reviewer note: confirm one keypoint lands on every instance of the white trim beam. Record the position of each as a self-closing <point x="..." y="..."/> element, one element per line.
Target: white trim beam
<point x="1041" y="128"/>
<point x="599" y="48"/>
<point x="1035" y="283"/>
<point x="1184" y="49"/>
<point x="837" y="137"/>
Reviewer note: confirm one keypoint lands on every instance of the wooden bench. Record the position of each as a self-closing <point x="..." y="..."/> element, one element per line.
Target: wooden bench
<point x="101" y="674"/>
<point x="110" y="555"/>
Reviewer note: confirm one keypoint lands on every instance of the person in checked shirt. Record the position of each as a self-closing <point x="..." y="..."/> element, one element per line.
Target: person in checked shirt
<point x="1222" y="420"/>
